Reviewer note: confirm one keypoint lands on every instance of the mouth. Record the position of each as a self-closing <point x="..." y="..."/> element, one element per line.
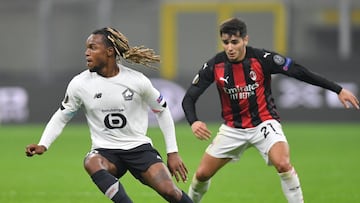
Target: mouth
<point x="231" y="55"/>
<point x="88" y="62"/>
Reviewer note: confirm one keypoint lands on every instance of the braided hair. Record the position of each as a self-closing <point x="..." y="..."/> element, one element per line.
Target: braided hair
<point x="140" y="55"/>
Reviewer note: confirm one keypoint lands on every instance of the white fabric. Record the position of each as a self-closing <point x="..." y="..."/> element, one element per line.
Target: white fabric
<point x="290" y="185"/>
<point x="197" y="189"/>
<point x="232" y="142"/>
<point x="116" y="110"/>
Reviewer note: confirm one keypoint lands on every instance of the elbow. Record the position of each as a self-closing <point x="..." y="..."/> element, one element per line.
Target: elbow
<point x="186" y="101"/>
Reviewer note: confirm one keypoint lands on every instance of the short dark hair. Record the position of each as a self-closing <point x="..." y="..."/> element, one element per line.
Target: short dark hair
<point x="233" y="26"/>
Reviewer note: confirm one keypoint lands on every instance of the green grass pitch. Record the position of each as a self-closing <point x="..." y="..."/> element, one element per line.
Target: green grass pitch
<point x="326" y="156"/>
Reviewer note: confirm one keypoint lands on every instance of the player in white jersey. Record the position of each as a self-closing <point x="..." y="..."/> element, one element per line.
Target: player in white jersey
<point x="115" y="100"/>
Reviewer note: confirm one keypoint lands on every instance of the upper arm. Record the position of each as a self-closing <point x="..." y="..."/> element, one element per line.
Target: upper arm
<point x="202" y="80"/>
<point x="71" y="102"/>
<point x="152" y="96"/>
<point x="274" y="63"/>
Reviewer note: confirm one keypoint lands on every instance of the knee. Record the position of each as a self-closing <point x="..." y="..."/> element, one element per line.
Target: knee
<point x="89" y="164"/>
<point x="171" y="194"/>
<point x="93" y="163"/>
<point x="202" y="175"/>
<point x="283" y="166"/>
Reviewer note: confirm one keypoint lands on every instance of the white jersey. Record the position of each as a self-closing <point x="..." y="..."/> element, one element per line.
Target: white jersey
<point x="116" y="110"/>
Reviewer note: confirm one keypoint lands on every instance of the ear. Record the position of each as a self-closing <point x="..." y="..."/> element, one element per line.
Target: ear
<point x="246" y="39"/>
<point x="110" y="51"/>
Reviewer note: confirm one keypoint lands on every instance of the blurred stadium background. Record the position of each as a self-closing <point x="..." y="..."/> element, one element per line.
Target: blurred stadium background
<point x="43" y="43"/>
<point x="42" y="47"/>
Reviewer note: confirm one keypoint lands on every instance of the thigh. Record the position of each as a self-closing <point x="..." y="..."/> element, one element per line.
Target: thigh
<point x="229" y="143"/>
<point x="140" y="159"/>
<point x="266" y="136"/>
<point x="158" y="177"/>
<point x="279" y="156"/>
<point x="209" y="165"/>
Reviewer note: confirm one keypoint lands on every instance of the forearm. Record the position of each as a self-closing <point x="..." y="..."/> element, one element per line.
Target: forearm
<point x="188" y="105"/>
<point x="307" y="76"/>
<point x="54" y="128"/>
<point x="166" y="124"/>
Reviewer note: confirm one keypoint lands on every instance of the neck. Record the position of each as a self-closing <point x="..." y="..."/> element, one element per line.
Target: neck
<point x="109" y="71"/>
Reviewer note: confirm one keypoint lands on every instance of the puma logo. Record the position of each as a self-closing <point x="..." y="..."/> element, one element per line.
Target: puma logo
<point x="266" y="54"/>
<point x="224" y="79"/>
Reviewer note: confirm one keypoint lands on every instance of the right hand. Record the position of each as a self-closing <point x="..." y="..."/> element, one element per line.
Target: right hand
<point x="177" y="167"/>
<point x="33" y="149"/>
<point x="200" y="130"/>
<point x="346" y="96"/>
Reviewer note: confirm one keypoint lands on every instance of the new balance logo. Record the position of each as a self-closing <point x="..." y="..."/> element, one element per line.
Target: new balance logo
<point x="97" y="95"/>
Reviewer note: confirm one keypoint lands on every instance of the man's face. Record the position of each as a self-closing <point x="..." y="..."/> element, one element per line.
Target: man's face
<point x="234" y="46"/>
<point x="96" y="52"/>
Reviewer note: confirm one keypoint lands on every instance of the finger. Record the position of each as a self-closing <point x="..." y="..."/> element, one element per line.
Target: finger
<point x="181" y="173"/>
<point x="345" y="104"/>
<point x="355" y="103"/>
<point x="184" y="175"/>
<point x="204" y="134"/>
<point x="28" y="151"/>
<point x="202" y="137"/>
<point x="176" y="176"/>
<point x="29" y="154"/>
<point x="185" y="169"/>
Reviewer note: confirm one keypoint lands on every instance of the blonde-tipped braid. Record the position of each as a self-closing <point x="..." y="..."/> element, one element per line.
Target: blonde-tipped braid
<point x="140" y="55"/>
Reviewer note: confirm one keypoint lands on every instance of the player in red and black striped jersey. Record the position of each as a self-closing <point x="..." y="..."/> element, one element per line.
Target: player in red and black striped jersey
<point x="242" y="75"/>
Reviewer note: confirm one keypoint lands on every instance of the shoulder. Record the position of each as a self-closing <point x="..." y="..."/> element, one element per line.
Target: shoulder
<point x="83" y="76"/>
<point x="134" y="79"/>
<point x="266" y="56"/>
<point x="252" y="52"/>
<point x="80" y="79"/>
<point x="219" y="57"/>
<point x="132" y="74"/>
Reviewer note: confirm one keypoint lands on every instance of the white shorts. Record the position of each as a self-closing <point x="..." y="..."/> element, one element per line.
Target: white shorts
<point x="232" y="142"/>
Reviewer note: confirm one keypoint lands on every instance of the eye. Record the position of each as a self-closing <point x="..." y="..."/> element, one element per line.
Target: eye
<point x="234" y="42"/>
<point x="92" y="47"/>
<point x="225" y="42"/>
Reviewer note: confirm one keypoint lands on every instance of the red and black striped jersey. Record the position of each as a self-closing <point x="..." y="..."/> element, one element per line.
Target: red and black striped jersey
<point x="244" y="87"/>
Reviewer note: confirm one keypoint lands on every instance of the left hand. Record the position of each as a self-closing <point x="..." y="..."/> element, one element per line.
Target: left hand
<point x="176" y="166"/>
<point x="347" y="96"/>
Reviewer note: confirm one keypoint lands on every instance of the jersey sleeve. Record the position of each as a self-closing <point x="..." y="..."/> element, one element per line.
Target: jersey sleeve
<point x="276" y="63"/>
<point x="61" y="117"/>
<point x="158" y="105"/>
<point x="152" y="96"/>
<point x="202" y="80"/>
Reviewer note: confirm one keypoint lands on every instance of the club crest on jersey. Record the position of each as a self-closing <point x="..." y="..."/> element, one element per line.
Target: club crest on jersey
<point x="252" y="75"/>
<point x="279" y="60"/>
<point x="128" y="94"/>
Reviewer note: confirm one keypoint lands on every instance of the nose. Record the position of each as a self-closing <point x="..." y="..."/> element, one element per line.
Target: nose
<point x="230" y="46"/>
<point x="87" y="52"/>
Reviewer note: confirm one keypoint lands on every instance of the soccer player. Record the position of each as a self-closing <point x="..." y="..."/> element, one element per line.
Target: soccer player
<point x="242" y="75"/>
<point x="115" y="100"/>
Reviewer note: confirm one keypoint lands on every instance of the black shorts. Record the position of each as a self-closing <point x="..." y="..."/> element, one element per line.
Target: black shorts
<point x="136" y="160"/>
